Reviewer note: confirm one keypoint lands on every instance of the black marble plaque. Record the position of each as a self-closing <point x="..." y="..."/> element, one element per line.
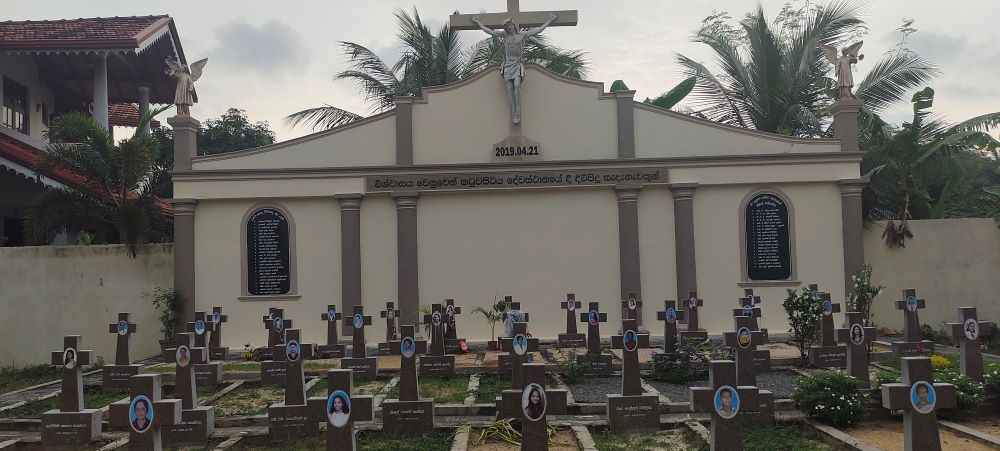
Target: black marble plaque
<point x="268" y="259"/>
<point x="768" y="248"/>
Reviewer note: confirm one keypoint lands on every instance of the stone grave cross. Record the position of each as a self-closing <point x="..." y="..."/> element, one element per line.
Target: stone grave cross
<point x="202" y="329"/>
<point x="749" y="305"/>
<point x="408" y="348"/>
<point x="744" y="341"/>
<point x="670" y="316"/>
<point x="124" y="328"/>
<point x="436" y="320"/>
<point x="630" y="341"/>
<point x="215" y="349"/>
<point x="149" y="411"/>
<point x="518" y="348"/>
<point x="292" y="418"/>
<point x="571" y="338"/>
<point x="919" y="397"/>
<point x="856" y="336"/>
<point x="630" y="307"/>
<point x="514" y="13"/>
<point x="593" y="317"/>
<point x="693" y="332"/>
<point x="828" y="336"/>
<point x="197" y="422"/>
<point x="912" y="342"/>
<point x="275" y="323"/>
<point x="451" y="311"/>
<point x="71" y="423"/>
<point x="340" y="409"/>
<point x="332" y="348"/>
<point x="358" y="321"/>
<point x="391" y="315"/>
<point x="534" y="428"/>
<point x="409" y="414"/>
<point x="724" y="400"/>
<point x="826" y="353"/>
<point x="967" y="331"/>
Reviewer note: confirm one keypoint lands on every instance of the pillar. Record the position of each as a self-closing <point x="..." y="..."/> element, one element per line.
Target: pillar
<point x="406" y="253"/>
<point x="144" y="106"/>
<point x="100" y="99"/>
<point x="626" y="125"/>
<point x="185" y="141"/>
<point x="687" y="275"/>
<point x="845" y="123"/>
<point x="628" y="243"/>
<point x="404" y="132"/>
<point x="350" y="254"/>
<point x="184" y="271"/>
<point x="853" y="225"/>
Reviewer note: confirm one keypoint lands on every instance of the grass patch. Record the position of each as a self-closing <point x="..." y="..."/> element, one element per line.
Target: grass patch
<point x="360" y="388"/>
<point x="248" y="367"/>
<point x="15" y="378"/>
<point x="248" y="401"/>
<point x="436" y="440"/>
<point x="160" y="369"/>
<point x="446" y="390"/>
<point x="168" y="392"/>
<point x="208" y="446"/>
<point x="490" y="386"/>
<point x="324" y="364"/>
<point x="93" y="398"/>
<point x="673" y="439"/>
<point x="780" y="438"/>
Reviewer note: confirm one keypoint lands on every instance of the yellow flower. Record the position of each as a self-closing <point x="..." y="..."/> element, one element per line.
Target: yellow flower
<point x="940" y="361"/>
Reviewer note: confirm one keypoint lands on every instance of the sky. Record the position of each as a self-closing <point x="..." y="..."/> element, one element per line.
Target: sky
<point x="272" y="58"/>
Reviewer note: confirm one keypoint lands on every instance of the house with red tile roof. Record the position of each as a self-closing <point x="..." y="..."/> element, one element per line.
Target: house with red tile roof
<point x="108" y="67"/>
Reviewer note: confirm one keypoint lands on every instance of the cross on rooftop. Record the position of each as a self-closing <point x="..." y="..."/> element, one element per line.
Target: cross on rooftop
<point x="523" y="19"/>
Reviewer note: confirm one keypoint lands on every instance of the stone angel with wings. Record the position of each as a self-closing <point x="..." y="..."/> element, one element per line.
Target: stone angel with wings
<point x="842" y="63"/>
<point x="186" y="76"/>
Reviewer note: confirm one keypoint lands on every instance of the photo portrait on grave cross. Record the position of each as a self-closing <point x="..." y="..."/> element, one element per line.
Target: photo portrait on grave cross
<point x="339" y="409"/>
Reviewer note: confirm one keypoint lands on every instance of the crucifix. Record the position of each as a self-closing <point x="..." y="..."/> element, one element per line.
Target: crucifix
<point x="518" y="348"/>
<point x="856" y="336"/>
<point x="629" y="342"/>
<point x="451" y="311"/>
<point x="408" y="348"/>
<point x="571" y="338"/>
<point x="341" y="408"/>
<point x="391" y="313"/>
<point x="693" y="332"/>
<point x="744" y="341"/>
<point x="630" y="308"/>
<point x="201" y="329"/>
<point x="912" y="343"/>
<point x="724" y="399"/>
<point x="71" y="423"/>
<point x="967" y="331"/>
<point x="116" y="377"/>
<point x="919" y="397"/>
<point x="332" y="348"/>
<point x="215" y="349"/>
<point x="197" y="422"/>
<point x="292" y="418"/>
<point x="436" y="320"/>
<point x="670" y="315"/>
<point x="514" y="39"/>
<point x="144" y="413"/>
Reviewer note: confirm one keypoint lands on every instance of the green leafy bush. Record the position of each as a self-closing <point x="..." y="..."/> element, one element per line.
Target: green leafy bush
<point x="993" y="375"/>
<point x="571" y="368"/>
<point x="804" y="312"/>
<point x="970" y="392"/>
<point x="832" y="397"/>
<point x="690" y="362"/>
<point x="928" y="333"/>
<point x="883" y="377"/>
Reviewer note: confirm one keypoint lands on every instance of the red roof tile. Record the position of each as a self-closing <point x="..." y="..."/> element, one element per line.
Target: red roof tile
<point x="97" y="32"/>
<point x="126" y="115"/>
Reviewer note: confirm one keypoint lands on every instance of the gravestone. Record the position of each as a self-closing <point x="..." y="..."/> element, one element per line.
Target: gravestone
<point x="744" y="341"/>
<point x="633" y="409"/>
<point x="215" y="349"/>
<point x="912" y="343"/>
<point x="670" y="316"/>
<point x="340" y="409"/>
<point x="919" y="398"/>
<point x="724" y="400"/>
<point x="534" y="404"/>
<point x="967" y="331"/>
<point x="365" y="368"/>
<point x="144" y="413"/>
<point x="749" y="309"/>
<point x="598" y="363"/>
<point x="571" y="339"/>
<point x="408" y="415"/>
<point x="197" y="422"/>
<point x="692" y="331"/>
<point x="437" y="363"/>
<point x="72" y="425"/>
<point x="275" y="323"/>
<point x="292" y="418"/>
<point x="749" y="305"/>
<point x="855" y="336"/>
<point x="452" y="342"/>
<point x="827" y="353"/>
<point x="630" y="308"/>
<point x="520" y="347"/>
<point x="333" y="348"/>
<point x="116" y="377"/>
<point x="207" y="375"/>
<point x="391" y="315"/>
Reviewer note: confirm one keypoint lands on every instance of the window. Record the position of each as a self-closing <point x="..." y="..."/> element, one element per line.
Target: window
<point x="268" y="253"/>
<point x="767" y="237"/>
<point x="15" y="106"/>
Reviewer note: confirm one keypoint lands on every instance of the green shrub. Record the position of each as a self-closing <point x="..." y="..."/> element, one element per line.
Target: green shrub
<point x="883" y="377"/>
<point x="970" y="392"/>
<point x="993" y="375"/>
<point x="832" y="397"/>
<point x="804" y="312"/>
<point x="571" y="368"/>
<point x="690" y="362"/>
<point x="928" y="333"/>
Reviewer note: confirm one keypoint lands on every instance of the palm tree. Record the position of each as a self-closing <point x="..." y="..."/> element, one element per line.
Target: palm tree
<point x="917" y="167"/>
<point x="772" y="76"/>
<point x="428" y="60"/>
<point x="119" y="197"/>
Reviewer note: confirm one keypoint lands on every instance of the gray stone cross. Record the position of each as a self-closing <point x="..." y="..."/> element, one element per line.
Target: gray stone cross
<point x="391" y="315"/>
<point x="202" y="326"/>
<point x="967" y="331"/>
<point x="593" y="317"/>
<point x="670" y="316"/>
<point x="124" y="328"/>
<point x="534" y="428"/>
<point x="630" y="307"/>
<point x="725" y="401"/>
<point x="693" y="332"/>
<point x="744" y="341"/>
<point x="293" y="418"/>
<point x="275" y="328"/>
<point x="516" y="360"/>
<point x="340" y="430"/>
<point x="332" y="348"/>
<point x="570" y="306"/>
<point x="451" y="311"/>
<point x="71" y="424"/>
<point x="72" y="359"/>
<point x="436" y="319"/>
<point x="514" y="13"/>
<point x="919" y="398"/>
<point x="630" y="341"/>
<point x="856" y="336"/>
<point x="216" y="350"/>
<point x="145" y="391"/>
<point x="912" y="342"/>
<point x="415" y="347"/>
<point x="357" y="322"/>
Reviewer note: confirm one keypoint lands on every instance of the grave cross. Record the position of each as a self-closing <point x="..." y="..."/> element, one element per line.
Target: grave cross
<point x="856" y="336"/>
<point x="185" y="356"/>
<point x="744" y="341"/>
<point x="911" y="324"/>
<point x="724" y="400"/>
<point x="72" y="359"/>
<point x="919" y="397"/>
<point x="514" y="310"/>
<point x="593" y="317"/>
<point x="124" y="328"/>
<point x="202" y="326"/>
<point x="691" y="304"/>
<point x="275" y="323"/>
<point x="629" y="342"/>
<point x="331" y="316"/>
<point x="293" y="353"/>
<point x="150" y="411"/>
<point x="391" y="315"/>
<point x="358" y="321"/>
<point x="967" y="331"/>
<point x="670" y="315"/>
<point x="570" y="307"/>
<point x="630" y="307"/>
<point x="749" y="305"/>
<point x="828" y="334"/>
<point x="408" y="348"/>
<point x="518" y="346"/>
<point x="215" y="341"/>
<point x="514" y="13"/>
<point x="341" y="414"/>
<point x="436" y="320"/>
<point x="534" y="428"/>
<point x="451" y="311"/>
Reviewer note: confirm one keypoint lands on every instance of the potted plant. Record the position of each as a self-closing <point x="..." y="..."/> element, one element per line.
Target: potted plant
<point x="492" y="316"/>
<point x="168" y="303"/>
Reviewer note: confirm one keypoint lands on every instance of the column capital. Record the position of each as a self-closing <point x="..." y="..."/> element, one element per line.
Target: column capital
<point x="349" y="201"/>
<point x="184" y="123"/>
<point x="184" y="207"/>
<point x="623" y="94"/>
<point x="406" y="199"/>
<point x="628" y="192"/>
<point x="852" y="187"/>
<point x="683" y="191"/>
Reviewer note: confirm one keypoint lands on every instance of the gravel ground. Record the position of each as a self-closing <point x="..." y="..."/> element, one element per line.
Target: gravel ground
<point x="595" y="389"/>
<point x="676" y="392"/>
<point x="780" y="383"/>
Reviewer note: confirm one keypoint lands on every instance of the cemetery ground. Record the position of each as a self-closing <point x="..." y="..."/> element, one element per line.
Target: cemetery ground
<point x="465" y="408"/>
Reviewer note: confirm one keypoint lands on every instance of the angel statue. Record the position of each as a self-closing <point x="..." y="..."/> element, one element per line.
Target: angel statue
<point x="186" y="76"/>
<point x="845" y="78"/>
<point x="512" y="68"/>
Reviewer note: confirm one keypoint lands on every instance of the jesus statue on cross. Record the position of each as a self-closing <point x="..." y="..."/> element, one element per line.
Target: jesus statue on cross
<point x="512" y="68"/>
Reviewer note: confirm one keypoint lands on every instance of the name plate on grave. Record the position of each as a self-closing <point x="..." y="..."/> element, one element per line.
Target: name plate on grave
<point x="407" y="417"/>
<point x="768" y="250"/>
<point x="273" y="373"/>
<point x="634" y="412"/>
<point x="516" y="148"/>
<point x="443" y="365"/>
<point x="513" y="179"/>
